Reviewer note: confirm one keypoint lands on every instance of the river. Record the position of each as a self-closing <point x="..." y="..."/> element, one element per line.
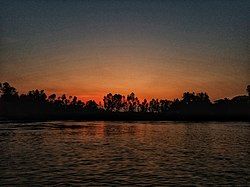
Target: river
<point x="105" y="153"/>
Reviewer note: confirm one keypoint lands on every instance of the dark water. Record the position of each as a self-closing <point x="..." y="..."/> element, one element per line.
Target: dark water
<point x="123" y="153"/>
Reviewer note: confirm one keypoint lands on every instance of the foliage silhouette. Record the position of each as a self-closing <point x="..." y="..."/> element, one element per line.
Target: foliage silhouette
<point x="193" y="106"/>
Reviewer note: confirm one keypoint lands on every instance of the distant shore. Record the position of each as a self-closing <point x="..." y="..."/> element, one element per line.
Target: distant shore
<point x="125" y="116"/>
<point x="37" y="106"/>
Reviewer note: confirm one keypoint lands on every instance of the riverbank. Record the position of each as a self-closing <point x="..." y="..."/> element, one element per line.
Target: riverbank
<point x="127" y="116"/>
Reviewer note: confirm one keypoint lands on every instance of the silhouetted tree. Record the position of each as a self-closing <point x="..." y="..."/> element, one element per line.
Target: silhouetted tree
<point x="108" y="102"/>
<point x="52" y="98"/>
<point x="64" y="99"/>
<point x="74" y="101"/>
<point x="80" y="104"/>
<point x="133" y="103"/>
<point x="202" y="98"/>
<point x="144" y="106"/>
<point x="117" y="102"/>
<point x="9" y="99"/>
<point x="164" y="105"/>
<point x="188" y="98"/>
<point x="7" y="92"/>
<point x="37" y="96"/>
<point x="248" y="90"/>
<point x="192" y="98"/>
<point x="154" y="106"/>
<point x="176" y="105"/>
<point x="91" y="106"/>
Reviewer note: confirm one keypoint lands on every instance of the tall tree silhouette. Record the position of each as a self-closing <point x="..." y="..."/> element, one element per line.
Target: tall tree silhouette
<point x="248" y="90"/>
<point x="108" y="102"/>
<point x="133" y="103"/>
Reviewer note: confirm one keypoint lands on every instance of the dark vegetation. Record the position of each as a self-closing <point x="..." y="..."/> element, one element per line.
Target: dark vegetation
<point x="36" y="105"/>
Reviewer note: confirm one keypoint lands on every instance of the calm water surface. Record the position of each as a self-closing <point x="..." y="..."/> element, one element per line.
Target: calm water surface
<point x="125" y="153"/>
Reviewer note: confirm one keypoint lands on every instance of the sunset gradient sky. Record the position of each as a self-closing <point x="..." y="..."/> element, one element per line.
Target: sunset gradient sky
<point x="153" y="48"/>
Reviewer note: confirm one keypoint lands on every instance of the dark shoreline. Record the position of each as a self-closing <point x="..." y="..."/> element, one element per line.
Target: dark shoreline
<point x="122" y="116"/>
<point x="37" y="106"/>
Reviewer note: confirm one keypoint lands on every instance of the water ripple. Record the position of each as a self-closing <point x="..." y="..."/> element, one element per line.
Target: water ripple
<point x="124" y="153"/>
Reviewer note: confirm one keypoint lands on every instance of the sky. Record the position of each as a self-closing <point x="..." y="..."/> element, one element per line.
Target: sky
<point x="156" y="49"/>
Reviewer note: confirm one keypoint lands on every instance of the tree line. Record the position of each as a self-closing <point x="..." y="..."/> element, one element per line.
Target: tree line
<point x="37" y="103"/>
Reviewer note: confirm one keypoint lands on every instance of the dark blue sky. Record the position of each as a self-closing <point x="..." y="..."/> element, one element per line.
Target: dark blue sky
<point x="155" y="48"/>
